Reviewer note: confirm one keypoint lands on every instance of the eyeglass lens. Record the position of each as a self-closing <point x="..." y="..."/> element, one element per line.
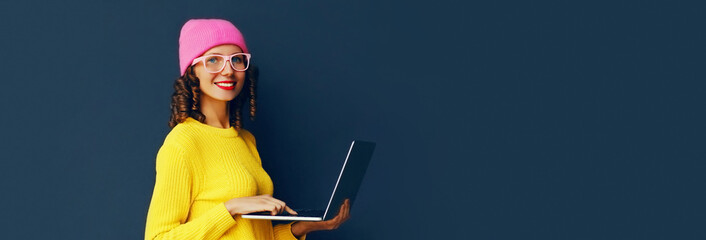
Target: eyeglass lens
<point x="215" y="63"/>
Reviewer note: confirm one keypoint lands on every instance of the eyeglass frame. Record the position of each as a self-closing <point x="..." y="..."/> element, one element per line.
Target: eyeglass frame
<point x="203" y="59"/>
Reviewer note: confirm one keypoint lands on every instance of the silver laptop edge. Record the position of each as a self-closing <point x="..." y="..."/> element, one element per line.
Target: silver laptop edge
<point x="339" y="179"/>
<point x="283" y="218"/>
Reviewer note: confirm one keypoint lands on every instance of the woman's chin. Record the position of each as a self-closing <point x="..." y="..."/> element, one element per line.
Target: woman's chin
<point x="226" y="99"/>
<point x="220" y="97"/>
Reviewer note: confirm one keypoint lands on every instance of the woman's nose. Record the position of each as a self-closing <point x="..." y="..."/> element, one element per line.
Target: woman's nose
<point x="227" y="69"/>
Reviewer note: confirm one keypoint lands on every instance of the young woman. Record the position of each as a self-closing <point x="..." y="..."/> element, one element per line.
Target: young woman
<point x="208" y="169"/>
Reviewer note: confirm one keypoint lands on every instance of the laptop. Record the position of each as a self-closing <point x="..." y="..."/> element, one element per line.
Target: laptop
<point x="347" y="186"/>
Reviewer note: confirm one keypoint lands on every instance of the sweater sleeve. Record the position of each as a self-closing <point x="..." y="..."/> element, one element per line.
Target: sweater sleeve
<point x="284" y="232"/>
<point x="172" y="198"/>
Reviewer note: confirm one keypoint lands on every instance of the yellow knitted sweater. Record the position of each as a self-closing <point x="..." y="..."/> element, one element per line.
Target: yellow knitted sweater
<point x="200" y="167"/>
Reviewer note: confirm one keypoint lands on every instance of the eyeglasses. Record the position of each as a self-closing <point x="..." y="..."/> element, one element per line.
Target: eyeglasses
<point x="216" y="63"/>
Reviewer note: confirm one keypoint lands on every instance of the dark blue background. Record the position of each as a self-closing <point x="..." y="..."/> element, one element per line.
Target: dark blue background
<point x="502" y="120"/>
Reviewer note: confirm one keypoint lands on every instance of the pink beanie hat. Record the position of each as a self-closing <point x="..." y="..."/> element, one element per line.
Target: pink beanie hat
<point x="199" y="35"/>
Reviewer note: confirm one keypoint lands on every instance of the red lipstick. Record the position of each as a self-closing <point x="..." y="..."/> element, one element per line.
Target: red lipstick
<point x="225" y="86"/>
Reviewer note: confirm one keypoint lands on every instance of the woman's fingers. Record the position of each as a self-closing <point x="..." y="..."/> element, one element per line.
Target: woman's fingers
<point x="345" y="210"/>
<point x="260" y="203"/>
<point x="270" y="204"/>
<point x="341" y="217"/>
<point x="348" y="209"/>
<point x="282" y="206"/>
<point x="278" y="205"/>
<point x="343" y="214"/>
<point x="290" y="211"/>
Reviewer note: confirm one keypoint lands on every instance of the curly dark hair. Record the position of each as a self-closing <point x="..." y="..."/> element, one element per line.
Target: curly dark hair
<point x="185" y="99"/>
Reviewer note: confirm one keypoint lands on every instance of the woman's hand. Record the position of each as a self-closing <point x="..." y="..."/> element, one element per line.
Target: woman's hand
<point x="301" y="228"/>
<point x="261" y="203"/>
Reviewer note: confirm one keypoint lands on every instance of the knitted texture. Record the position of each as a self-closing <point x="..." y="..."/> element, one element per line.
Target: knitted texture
<point x="198" y="168"/>
<point x="199" y="35"/>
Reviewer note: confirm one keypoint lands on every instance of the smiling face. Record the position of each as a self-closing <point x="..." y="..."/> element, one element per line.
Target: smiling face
<point x="224" y="85"/>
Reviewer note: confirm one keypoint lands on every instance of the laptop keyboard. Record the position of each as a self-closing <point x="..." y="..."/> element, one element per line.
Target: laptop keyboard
<point x="301" y="213"/>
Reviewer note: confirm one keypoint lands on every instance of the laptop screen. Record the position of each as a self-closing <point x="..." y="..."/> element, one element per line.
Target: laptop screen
<point x="350" y="177"/>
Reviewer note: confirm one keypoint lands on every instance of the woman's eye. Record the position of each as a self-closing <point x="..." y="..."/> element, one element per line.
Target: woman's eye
<point x="212" y="60"/>
<point x="236" y="60"/>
